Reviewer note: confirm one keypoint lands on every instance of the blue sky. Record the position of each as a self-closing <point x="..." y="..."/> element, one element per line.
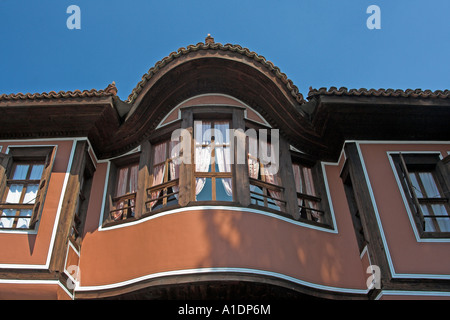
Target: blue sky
<point x="318" y="43"/>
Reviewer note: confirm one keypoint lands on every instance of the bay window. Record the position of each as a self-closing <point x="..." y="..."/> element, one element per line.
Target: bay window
<point x="219" y="158"/>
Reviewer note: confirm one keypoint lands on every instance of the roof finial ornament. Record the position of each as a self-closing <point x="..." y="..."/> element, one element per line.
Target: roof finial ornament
<point x="209" y="39"/>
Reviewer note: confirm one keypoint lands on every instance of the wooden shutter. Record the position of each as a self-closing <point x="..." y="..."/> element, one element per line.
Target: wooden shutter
<point x="5" y="164"/>
<point x="414" y="199"/>
<point x="443" y="167"/>
<point x="43" y="186"/>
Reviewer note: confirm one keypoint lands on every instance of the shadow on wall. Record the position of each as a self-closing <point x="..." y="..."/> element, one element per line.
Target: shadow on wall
<point x="250" y="240"/>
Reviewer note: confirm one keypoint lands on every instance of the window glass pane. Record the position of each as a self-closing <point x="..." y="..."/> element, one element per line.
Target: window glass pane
<point x="133" y="178"/>
<point x="297" y="178"/>
<point x="174" y="164"/>
<point x="253" y="167"/>
<point x="121" y="188"/>
<point x="429" y="184"/>
<point x="205" y="192"/>
<point x="24" y="223"/>
<point x="20" y="173"/>
<point x="223" y="159"/>
<point x="416" y="186"/>
<point x="203" y="159"/>
<point x="159" y="153"/>
<point x="256" y="197"/>
<point x="429" y="225"/>
<point x="309" y="183"/>
<point x="444" y="223"/>
<point x="158" y="174"/>
<point x="273" y="204"/>
<point x="30" y="195"/>
<point x="224" y="189"/>
<point x="36" y="172"/>
<point x="222" y="132"/>
<point x="7" y="222"/>
<point x="15" y="190"/>
<point x="202" y="132"/>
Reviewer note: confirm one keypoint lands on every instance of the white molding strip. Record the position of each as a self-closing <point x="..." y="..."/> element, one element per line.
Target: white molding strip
<point x="413" y="293"/>
<point x="216" y="270"/>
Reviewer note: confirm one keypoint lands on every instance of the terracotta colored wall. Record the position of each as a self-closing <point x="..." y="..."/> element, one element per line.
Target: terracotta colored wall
<point x="221" y="238"/>
<point x="408" y="255"/>
<point x="29" y="291"/>
<point x="22" y="248"/>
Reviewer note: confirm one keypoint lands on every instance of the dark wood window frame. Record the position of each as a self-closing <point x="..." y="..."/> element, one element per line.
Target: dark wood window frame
<point x="165" y="189"/>
<point x="320" y="198"/>
<point x="85" y="184"/>
<point x="29" y="155"/>
<point x="355" y="213"/>
<point x="413" y="163"/>
<point x="115" y="165"/>
<point x="213" y="174"/>
<point x="272" y="195"/>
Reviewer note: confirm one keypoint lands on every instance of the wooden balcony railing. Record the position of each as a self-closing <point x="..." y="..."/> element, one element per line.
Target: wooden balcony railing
<point x="162" y="195"/>
<point x="262" y="195"/>
<point x="123" y="207"/>
<point x="309" y="207"/>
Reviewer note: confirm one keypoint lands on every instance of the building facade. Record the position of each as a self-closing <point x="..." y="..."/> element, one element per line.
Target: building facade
<point x="216" y="179"/>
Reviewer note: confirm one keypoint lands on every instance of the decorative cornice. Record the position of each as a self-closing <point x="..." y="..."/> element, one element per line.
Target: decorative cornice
<point x="408" y="93"/>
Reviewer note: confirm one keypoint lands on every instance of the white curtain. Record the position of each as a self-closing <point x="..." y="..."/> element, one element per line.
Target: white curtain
<point x="202" y="154"/>
<point x="14" y="193"/>
<point x="253" y="164"/>
<point x="304" y="183"/>
<point x="159" y="158"/>
<point x="268" y="176"/>
<point x="273" y="179"/>
<point x="174" y="167"/>
<point x="223" y="153"/>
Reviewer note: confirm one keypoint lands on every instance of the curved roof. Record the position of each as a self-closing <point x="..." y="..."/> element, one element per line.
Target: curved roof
<point x="211" y="45"/>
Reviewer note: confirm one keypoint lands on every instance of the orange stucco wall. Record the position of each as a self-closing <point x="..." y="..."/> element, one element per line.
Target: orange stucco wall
<point x="218" y="238"/>
<point x="408" y="255"/>
<point x="32" y="249"/>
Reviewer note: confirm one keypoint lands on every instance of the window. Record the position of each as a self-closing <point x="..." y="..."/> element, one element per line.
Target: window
<point x="423" y="179"/>
<point x="124" y="201"/>
<point x="164" y="189"/>
<point x="25" y="174"/>
<point x="308" y="202"/>
<point x="353" y="207"/>
<point x="21" y="194"/>
<point x="82" y="202"/>
<point x="212" y="159"/>
<point x="265" y="183"/>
